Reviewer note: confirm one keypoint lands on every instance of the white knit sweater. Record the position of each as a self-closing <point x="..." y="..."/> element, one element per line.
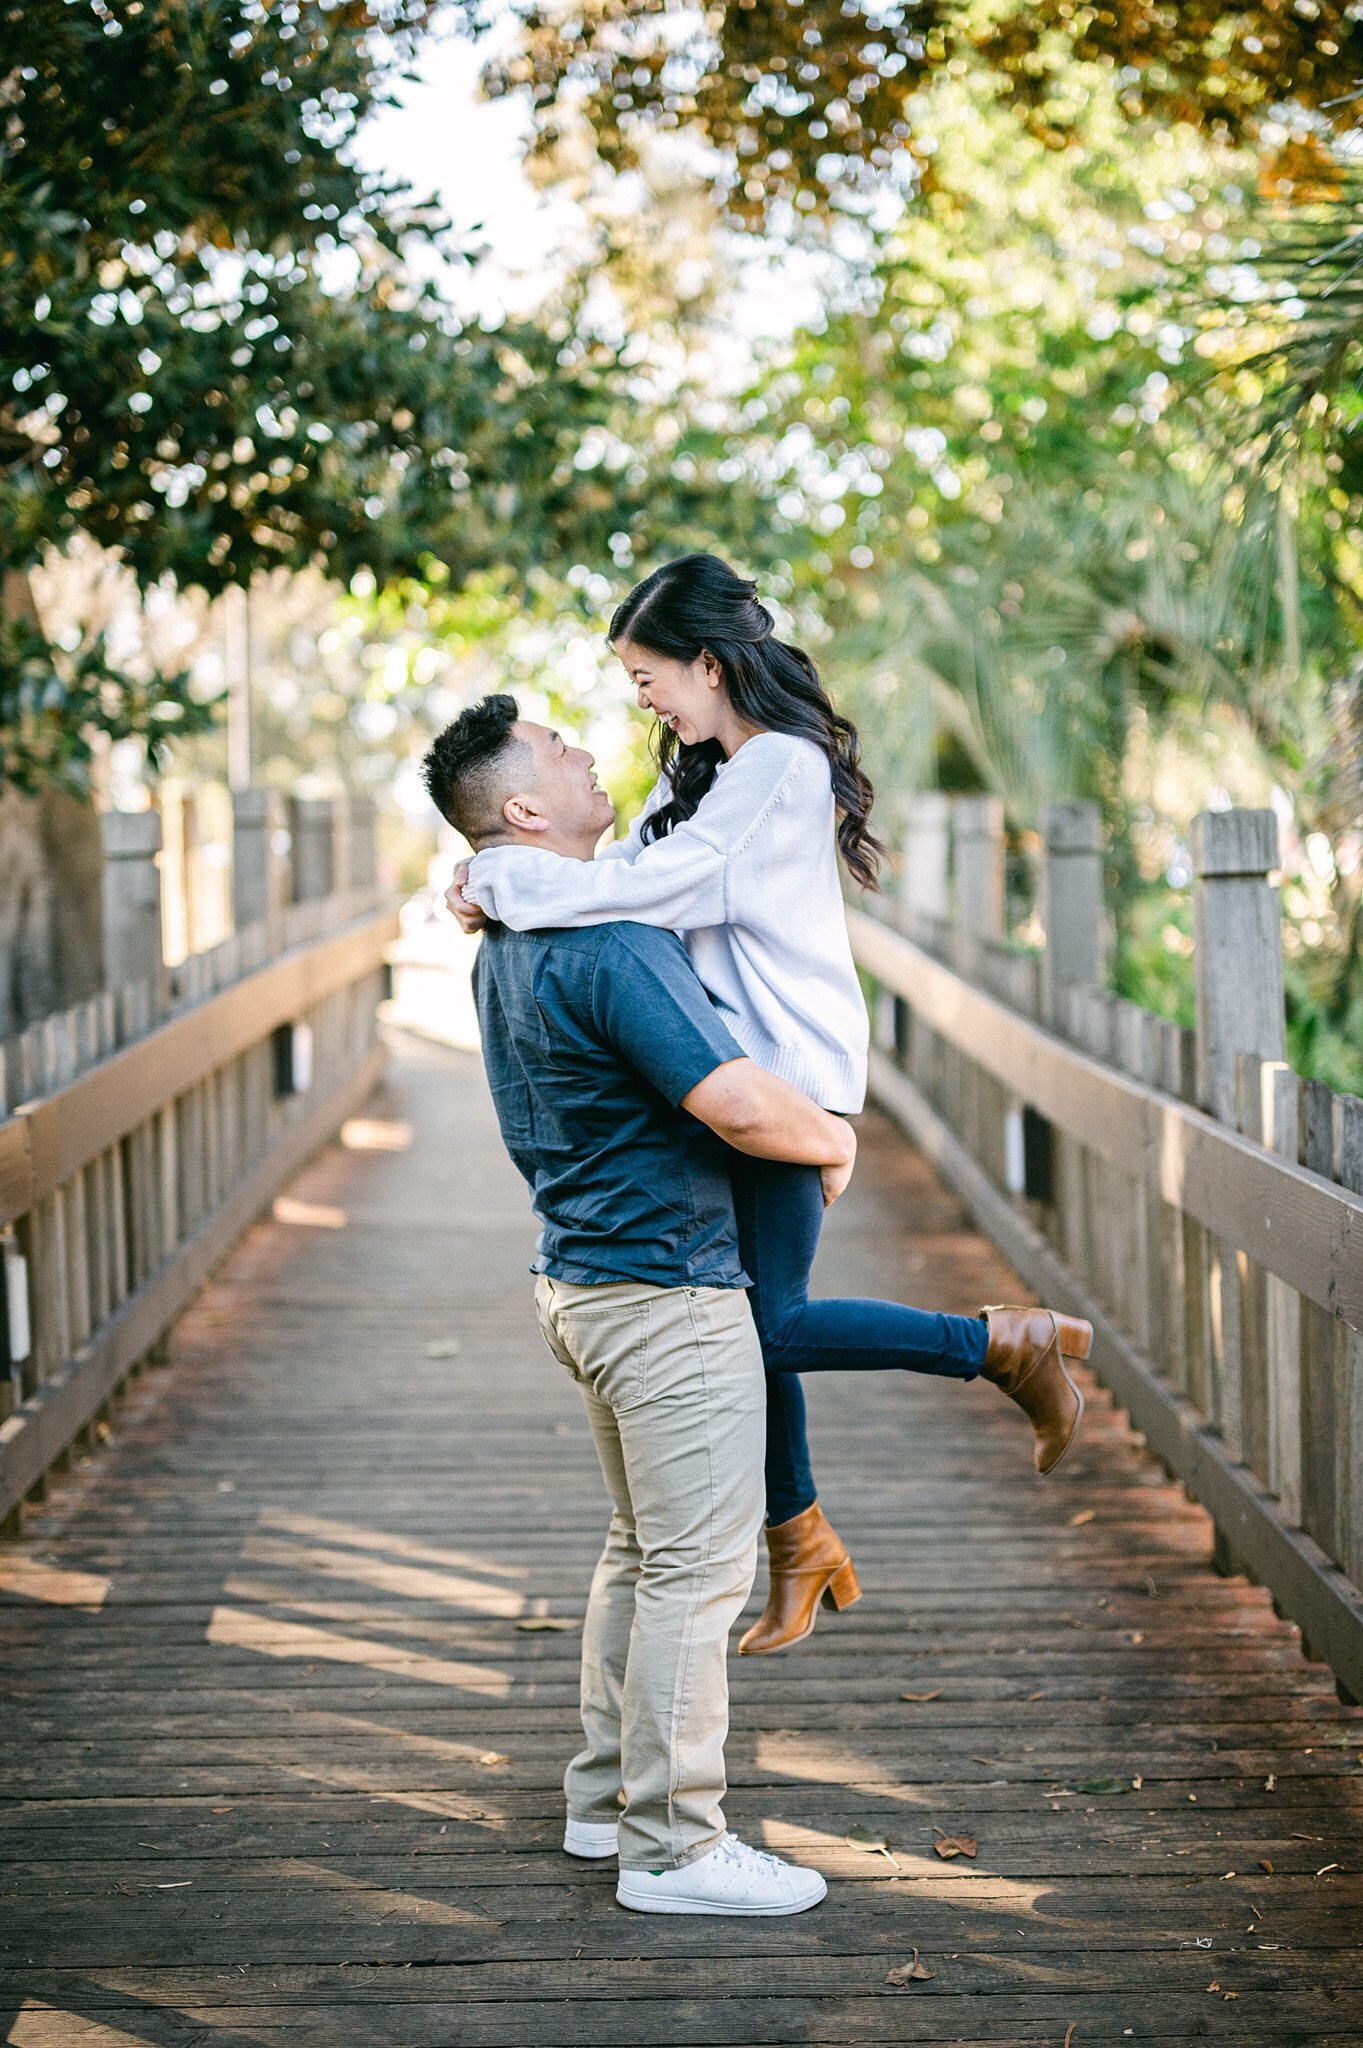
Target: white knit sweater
<point x="751" y="883"/>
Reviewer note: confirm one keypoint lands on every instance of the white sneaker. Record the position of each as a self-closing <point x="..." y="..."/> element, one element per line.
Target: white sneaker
<point x="593" y="1840"/>
<point x="730" y="1878"/>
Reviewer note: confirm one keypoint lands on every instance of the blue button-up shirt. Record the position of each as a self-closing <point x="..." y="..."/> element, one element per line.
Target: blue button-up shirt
<point x="591" y="1039"/>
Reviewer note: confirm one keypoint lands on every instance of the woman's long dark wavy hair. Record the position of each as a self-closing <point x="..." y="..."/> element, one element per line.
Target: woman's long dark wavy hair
<point x="698" y="604"/>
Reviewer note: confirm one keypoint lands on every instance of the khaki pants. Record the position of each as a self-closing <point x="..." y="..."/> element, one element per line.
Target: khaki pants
<point x="672" y="1381"/>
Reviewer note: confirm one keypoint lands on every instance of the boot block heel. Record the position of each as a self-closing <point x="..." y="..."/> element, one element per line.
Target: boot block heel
<point x="843" y="1588"/>
<point x="1075" y="1335"/>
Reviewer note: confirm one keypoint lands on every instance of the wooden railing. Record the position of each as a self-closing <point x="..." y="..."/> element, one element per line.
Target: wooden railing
<point x="152" y="1124"/>
<point x="1194" y="1197"/>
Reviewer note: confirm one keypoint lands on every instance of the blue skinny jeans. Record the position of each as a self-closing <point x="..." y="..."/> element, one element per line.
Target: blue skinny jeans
<point x="780" y="1214"/>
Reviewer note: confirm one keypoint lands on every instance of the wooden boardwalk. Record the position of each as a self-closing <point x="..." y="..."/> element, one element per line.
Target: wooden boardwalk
<point x="288" y="1675"/>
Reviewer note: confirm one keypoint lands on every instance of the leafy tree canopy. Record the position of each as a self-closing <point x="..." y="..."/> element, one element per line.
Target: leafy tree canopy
<point x="215" y="362"/>
<point x="809" y="103"/>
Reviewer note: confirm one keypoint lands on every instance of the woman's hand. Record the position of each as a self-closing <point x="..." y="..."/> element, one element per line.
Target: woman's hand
<point x="835" y="1178"/>
<point x="468" y="916"/>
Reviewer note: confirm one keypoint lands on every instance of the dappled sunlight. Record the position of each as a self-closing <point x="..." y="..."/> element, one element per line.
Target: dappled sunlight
<point x="55" y="1585"/>
<point x="413" y="1582"/>
<point x="367" y="1613"/>
<point x="353" y="1535"/>
<point x="823" y="1760"/>
<point x="327" y="1720"/>
<point x="386" y="1904"/>
<point x="40" y="2025"/>
<point x="238" y="1628"/>
<point x="447" y="1806"/>
<point x="308" y="1215"/>
<point x="375" y="1134"/>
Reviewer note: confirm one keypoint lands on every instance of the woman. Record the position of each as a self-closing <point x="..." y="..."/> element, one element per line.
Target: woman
<point x="736" y="849"/>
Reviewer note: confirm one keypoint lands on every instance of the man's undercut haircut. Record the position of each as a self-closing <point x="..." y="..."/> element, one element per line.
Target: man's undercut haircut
<point x="469" y="768"/>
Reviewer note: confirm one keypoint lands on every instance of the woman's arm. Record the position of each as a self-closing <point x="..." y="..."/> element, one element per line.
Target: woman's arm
<point x="525" y="887"/>
<point x="678" y="882"/>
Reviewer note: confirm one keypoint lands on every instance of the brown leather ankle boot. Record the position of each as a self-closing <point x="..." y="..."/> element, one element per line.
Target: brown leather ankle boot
<point x="1028" y="1348"/>
<point x="809" y="1563"/>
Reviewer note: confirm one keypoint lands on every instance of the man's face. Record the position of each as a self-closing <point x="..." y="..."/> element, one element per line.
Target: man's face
<point x="562" y="788"/>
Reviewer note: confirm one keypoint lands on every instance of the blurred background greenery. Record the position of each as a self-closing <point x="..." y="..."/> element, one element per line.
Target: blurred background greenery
<point x="1015" y="349"/>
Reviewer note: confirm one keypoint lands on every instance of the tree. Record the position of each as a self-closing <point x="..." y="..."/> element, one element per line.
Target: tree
<point x="216" y="359"/>
<point x="809" y="104"/>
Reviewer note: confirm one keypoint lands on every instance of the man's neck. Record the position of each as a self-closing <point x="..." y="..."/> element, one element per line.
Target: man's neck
<point x="566" y="844"/>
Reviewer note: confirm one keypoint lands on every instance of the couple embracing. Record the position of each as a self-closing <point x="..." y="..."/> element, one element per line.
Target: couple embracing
<point x="674" y="1036"/>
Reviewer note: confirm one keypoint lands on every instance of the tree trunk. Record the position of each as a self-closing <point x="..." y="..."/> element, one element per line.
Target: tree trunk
<point x="51" y="943"/>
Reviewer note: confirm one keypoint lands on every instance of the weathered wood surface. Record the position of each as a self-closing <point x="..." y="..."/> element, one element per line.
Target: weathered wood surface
<point x="282" y="1765"/>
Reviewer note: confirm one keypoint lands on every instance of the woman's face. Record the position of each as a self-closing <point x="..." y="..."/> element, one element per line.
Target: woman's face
<point x="688" y="696"/>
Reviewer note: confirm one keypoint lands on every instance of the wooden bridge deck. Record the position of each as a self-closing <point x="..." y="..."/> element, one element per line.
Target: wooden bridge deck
<point x="288" y="1675"/>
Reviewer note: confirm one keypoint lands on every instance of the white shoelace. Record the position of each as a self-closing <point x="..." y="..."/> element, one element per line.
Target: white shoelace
<point x="733" y="1850"/>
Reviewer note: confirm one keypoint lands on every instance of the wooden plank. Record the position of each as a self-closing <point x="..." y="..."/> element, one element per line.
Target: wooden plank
<point x="1282" y="1117"/>
<point x="67" y="1130"/>
<point x="1286" y="1218"/>
<point x="1302" y="1578"/>
<point x="1321" y="1415"/>
<point x="1348" y="1115"/>
<point x="1252" y="1287"/>
<point x="43" y="1425"/>
<point x="207" y="1836"/>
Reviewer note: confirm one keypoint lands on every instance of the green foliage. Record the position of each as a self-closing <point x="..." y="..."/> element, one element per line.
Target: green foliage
<point x="52" y="702"/>
<point x="809" y="106"/>
<point x="218" y="359"/>
<point x="217" y="362"/>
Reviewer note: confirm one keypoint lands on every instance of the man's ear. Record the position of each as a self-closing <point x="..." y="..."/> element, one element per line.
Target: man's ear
<point x="522" y="815"/>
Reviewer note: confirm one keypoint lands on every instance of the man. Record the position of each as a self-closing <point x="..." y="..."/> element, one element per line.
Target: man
<point x="613" y="1080"/>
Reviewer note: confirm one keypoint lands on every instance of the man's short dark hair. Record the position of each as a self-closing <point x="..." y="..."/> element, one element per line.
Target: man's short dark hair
<point x="466" y="766"/>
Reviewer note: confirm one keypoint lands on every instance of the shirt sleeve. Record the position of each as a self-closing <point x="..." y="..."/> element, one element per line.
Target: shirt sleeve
<point x="647" y="1002"/>
<point x="679" y="882"/>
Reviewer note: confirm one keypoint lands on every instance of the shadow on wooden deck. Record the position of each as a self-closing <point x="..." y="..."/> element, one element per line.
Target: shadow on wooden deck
<point x="289" y="1669"/>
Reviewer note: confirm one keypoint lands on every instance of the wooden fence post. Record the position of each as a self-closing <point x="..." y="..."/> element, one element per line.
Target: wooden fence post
<point x="923" y="879"/>
<point x="1238" y="986"/>
<point x="1238" y="956"/>
<point x="314" y="848"/>
<point x="977" y="864"/>
<point x="132" y="901"/>
<point x="364" y="860"/>
<point x="260" y="878"/>
<point x="1072" y="908"/>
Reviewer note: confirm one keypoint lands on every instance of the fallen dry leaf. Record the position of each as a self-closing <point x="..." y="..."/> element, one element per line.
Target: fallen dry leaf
<point x="1266" y="1863"/>
<point x="1069" y="2032"/>
<point x="948" y="1846"/>
<point x="909" y="1973"/>
<point x="1099" y="1788"/>
<point x="866" y="1838"/>
<point x="443" y="1347"/>
<point x="1084" y="1515"/>
<point x="920" y="1698"/>
<point x="546" y="1624"/>
<point x="1270" y="1782"/>
<point x="493" y="1756"/>
<point x="875" y="1844"/>
<point x="1326" y="1867"/>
